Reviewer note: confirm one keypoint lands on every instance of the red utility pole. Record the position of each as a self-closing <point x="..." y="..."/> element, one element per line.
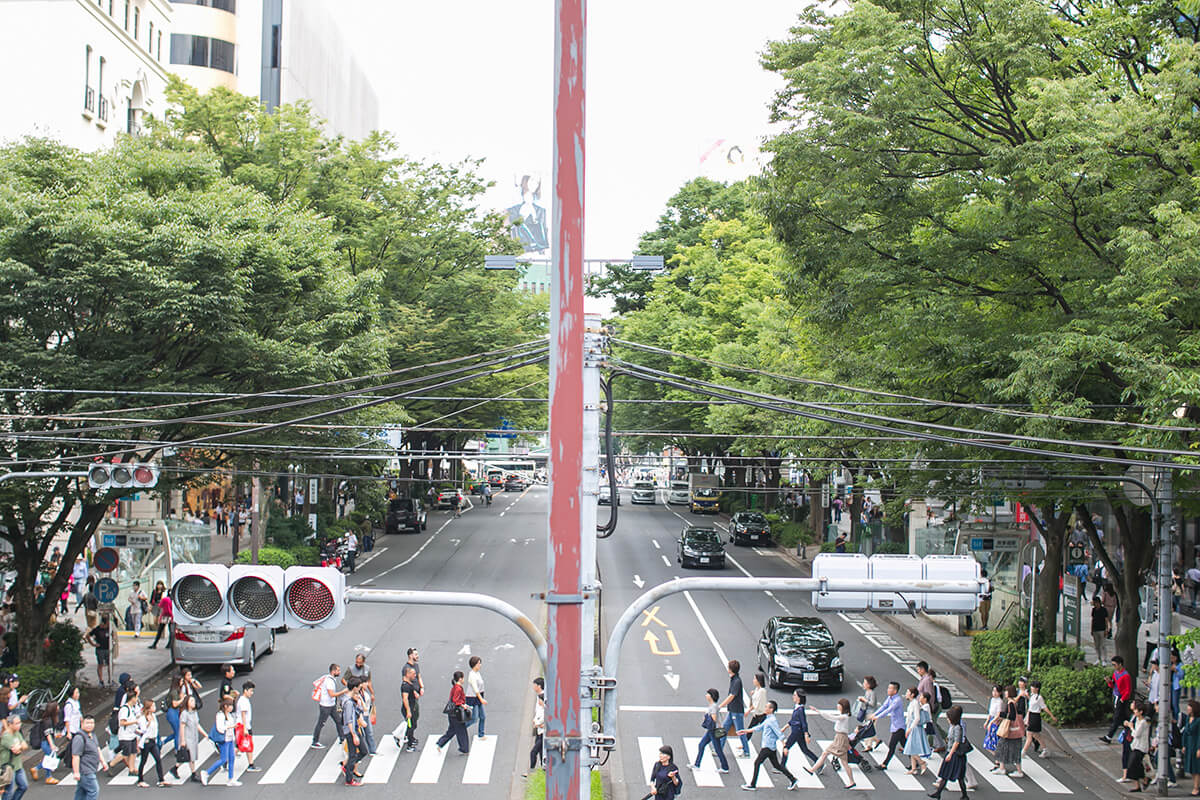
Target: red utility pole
<point x="564" y="726"/>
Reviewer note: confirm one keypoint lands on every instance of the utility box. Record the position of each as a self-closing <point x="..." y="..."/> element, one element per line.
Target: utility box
<point x="897" y="568"/>
<point x="844" y="567"/>
<point x="951" y="568"/>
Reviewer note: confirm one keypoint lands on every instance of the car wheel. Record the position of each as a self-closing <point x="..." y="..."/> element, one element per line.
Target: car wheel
<point x="773" y="679"/>
<point x="271" y="649"/>
<point x="250" y="660"/>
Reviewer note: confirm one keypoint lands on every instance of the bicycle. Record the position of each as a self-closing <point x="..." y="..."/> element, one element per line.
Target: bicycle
<point x="38" y="699"/>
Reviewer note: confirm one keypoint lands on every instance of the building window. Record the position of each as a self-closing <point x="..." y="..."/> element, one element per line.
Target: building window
<point x="89" y="94"/>
<point x="274" y="47"/>
<point x="126" y="14"/>
<point x="150" y="40"/>
<point x="110" y="7"/>
<point x="137" y="23"/>
<point x="201" y="51"/>
<point x="102" y="104"/>
<point x="223" y="5"/>
<point x="159" y="55"/>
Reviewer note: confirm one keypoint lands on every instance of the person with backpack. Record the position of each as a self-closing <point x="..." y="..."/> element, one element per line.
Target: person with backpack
<point x="351" y="731"/>
<point x="127" y="720"/>
<point x="325" y="693"/>
<point x="85" y="760"/>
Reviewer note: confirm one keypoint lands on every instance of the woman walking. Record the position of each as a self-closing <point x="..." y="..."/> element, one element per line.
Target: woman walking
<point x="916" y="745"/>
<point x="954" y="767"/>
<point x="165" y="609"/>
<point x="991" y="741"/>
<point x="1191" y="745"/>
<point x="1010" y="732"/>
<point x="457" y="713"/>
<point x="174" y="703"/>
<point x="1138" y="732"/>
<point x="147" y="738"/>
<point x="710" y="723"/>
<point x="1033" y="726"/>
<point x="867" y="703"/>
<point x="43" y="735"/>
<point x="839" y="748"/>
<point x="225" y="727"/>
<point x="664" y="776"/>
<point x="189" y="746"/>
<point x="758" y="700"/>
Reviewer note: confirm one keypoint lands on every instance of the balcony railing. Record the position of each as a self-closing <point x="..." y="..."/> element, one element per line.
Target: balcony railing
<point x="103" y="112"/>
<point x="89" y="98"/>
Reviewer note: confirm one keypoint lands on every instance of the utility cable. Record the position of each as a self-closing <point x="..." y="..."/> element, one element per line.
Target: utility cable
<point x="606" y="530"/>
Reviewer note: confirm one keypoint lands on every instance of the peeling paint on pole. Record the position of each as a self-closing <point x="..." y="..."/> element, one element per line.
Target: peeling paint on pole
<point x="563" y="723"/>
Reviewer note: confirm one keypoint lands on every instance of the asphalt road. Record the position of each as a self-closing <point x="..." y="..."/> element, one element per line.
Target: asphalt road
<point x="666" y="666"/>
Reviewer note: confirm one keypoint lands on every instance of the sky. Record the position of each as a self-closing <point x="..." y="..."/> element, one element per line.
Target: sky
<point x="673" y="87"/>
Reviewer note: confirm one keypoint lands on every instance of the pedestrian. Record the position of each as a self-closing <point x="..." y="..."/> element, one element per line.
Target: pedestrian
<point x="410" y="707"/>
<point x="127" y="721"/>
<point x="991" y="725"/>
<point x="79" y="580"/>
<point x="839" y="544"/>
<point x="457" y="714"/>
<point x="225" y="728"/>
<point x="771" y="736"/>
<point x="1191" y="745"/>
<point x="414" y="661"/>
<point x="798" y="733"/>
<point x="1101" y="627"/>
<point x="222" y="524"/>
<point x="892" y="709"/>
<point x="44" y="735"/>
<point x="356" y="749"/>
<point x="954" y="766"/>
<point x="1112" y="605"/>
<point x="152" y="611"/>
<point x="665" y="783"/>
<point x="456" y="502"/>
<point x="1008" y="752"/>
<point x="325" y="692"/>
<point x="85" y="760"/>
<point x="1033" y="721"/>
<point x="735" y="706"/>
<point x="1121" y="685"/>
<point x="166" y="616"/>
<point x="138" y="605"/>
<point x="865" y="705"/>
<point x="98" y="638"/>
<point x="839" y="748"/>
<point x="227" y="675"/>
<point x="916" y="717"/>
<point x="487" y="498"/>
<point x="985" y="600"/>
<point x="192" y="733"/>
<point x="72" y="714"/>
<point x="758" y="700"/>
<point x="539" y="719"/>
<point x="245" y="720"/>
<point x="174" y="704"/>
<point x="1138" y="732"/>
<point x="147" y="743"/>
<point x="91" y="605"/>
<point x="714" y="733"/>
<point x="361" y="670"/>
<point x="475" y="692"/>
<point x="351" y="549"/>
<point x="12" y="745"/>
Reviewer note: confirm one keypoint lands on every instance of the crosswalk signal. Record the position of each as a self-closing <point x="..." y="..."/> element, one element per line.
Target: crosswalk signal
<point x="122" y="476"/>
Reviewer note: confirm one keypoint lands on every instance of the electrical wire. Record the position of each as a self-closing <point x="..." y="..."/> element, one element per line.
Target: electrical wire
<point x="606" y="530"/>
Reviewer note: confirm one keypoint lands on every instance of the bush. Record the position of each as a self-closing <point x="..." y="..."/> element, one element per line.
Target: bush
<point x="773" y="518"/>
<point x="790" y="534"/>
<point x="306" y="556"/>
<point x="43" y="676"/>
<point x="1000" y="656"/>
<point x="1077" y="695"/>
<point x="275" y="556"/>
<point x="891" y="549"/>
<point x="286" y="532"/>
<point x="828" y="547"/>
<point x="65" y="647"/>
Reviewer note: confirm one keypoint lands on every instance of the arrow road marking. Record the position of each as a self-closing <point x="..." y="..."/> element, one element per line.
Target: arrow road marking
<point x="505" y="646"/>
<point x="672" y="679"/>
<point x="653" y="640"/>
<point x="466" y="650"/>
<point x="638" y="582"/>
<point x="650" y="615"/>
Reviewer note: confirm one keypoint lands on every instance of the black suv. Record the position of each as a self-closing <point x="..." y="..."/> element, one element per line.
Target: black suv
<point x="799" y="651"/>
<point x="405" y="514"/>
<point x="700" y="547"/>
<point x="749" y="527"/>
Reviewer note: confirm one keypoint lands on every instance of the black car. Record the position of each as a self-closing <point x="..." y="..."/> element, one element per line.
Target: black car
<point x="700" y="547"/>
<point x="405" y="514"/>
<point x="514" y="484"/>
<point x="749" y="527"/>
<point x="799" y="651"/>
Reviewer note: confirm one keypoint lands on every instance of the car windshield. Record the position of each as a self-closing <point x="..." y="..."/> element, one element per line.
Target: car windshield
<point x="702" y="536"/>
<point x="643" y="485"/>
<point x="757" y="519"/>
<point x="679" y="487"/>
<point x="801" y="638"/>
<point x="706" y="493"/>
<point x="400" y="504"/>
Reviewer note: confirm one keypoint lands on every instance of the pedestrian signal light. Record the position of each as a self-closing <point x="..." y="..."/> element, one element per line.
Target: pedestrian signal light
<point x="255" y="592"/>
<point x="122" y="476"/>
<point x="198" y="594"/>
<point x="314" y="597"/>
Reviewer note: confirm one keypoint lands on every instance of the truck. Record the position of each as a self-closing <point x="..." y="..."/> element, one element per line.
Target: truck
<point x="704" y="493"/>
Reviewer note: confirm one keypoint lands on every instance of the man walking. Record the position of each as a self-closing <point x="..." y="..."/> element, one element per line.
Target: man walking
<point x="12" y="745"/>
<point x="985" y="601"/>
<point x="735" y="705"/>
<point x="1122" y="690"/>
<point x="79" y="576"/>
<point x="892" y="709"/>
<point x="1101" y="626"/>
<point x="351" y="718"/>
<point x="410" y="707"/>
<point x="85" y="760"/>
<point x="475" y="696"/>
<point x="325" y="692"/>
<point x="245" y="718"/>
<point x="771" y="734"/>
<point x="539" y="722"/>
<point x="137" y="606"/>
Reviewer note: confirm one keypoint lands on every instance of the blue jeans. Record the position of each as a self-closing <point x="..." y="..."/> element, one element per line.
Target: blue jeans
<point x="368" y="737"/>
<point x="173" y="721"/>
<point x="18" y="786"/>
<point x="227" y="758"/>
<point x="88" y="788"/>
<point x="738" y="720"/>
<point x="477" y="709"/>
<point x="718" y="749"/>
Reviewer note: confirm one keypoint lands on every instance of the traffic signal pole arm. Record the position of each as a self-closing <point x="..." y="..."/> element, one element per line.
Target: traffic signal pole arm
<point x="14" y="475"/>
<point x="428" y="598"/>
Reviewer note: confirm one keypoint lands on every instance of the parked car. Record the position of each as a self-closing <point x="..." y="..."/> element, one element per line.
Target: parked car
<point x="221" y="644"/>
<point x="405" y="514"/>
<point x="605" y="498"/>
<point x="445" y="498"/>
<point x="700" y="547"/>
<point x="679" y="494"/>
<point x="800" y="651"/>
<point x="643" y="492"/>
<point x="749" y="527"/>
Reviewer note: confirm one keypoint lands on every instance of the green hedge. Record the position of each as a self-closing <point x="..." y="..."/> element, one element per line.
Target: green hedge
<point x="43" y="676"/>
<point x="306" y="556"/>
<point x="65" y="647"/>
<point x="274" y="556"/>
<point x="790" y="534"/>
<point x="1077" y="695"/>
<point x="891" y="548"/>
<point x="1000" y="656"/>
<point x="828" y="547"/>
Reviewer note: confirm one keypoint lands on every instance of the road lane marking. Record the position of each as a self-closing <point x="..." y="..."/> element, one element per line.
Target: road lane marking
<point x="283" y="766"/>
<point x="330" y="768"/>
<point x="479" y="762"/>
<point x="408" y="560"/>
<point x="261" y="741"/>
<point x="746" y="767"/>
<point x="796" y="762"/>
<point x="860" y="780"/>
<point x="655" y="543"/>
<point x="707" y="630"/>
<point x="983" y="765"/>
<point x="1044" y="780"/>
<point x="706" y="774"/>
<point x="648" y="749"/>
<point x="895" y="771"/>
<point x="652" y="638"/>
<point x="650" y="615"/>
<point x="637" y="581"/>
<point x="746" y="572"/>
<point x="429" y="765"/>
<point x="666" y="561"/>
<point x="370" y="558"/>
<point x="380" y="767"/>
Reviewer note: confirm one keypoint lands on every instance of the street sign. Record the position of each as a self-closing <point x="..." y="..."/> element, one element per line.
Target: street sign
<point x="312" y="491"/>
<point x="138" y="541"/>
<point x="999" y="544"/>
<point x="1076" y="554"/>
<point x="106" y="608"/>
<point x="1071" y="609"/>
<point x="107" y="590"/>
<point x="106" y="559"/>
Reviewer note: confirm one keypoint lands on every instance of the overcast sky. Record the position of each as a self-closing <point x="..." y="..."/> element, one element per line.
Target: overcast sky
<point x="672" y="86"/>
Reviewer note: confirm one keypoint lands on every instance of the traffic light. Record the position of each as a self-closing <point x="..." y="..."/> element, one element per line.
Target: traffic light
<point x="122" y="476"/>
<point x="258" y="595"/>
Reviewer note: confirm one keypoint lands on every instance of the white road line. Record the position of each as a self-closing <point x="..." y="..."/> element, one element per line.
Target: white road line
<point x="330" y="768"/>
<point x="895" y="771"/>
<point x="648" y="749"/>
<point x="379" y="768"/>
<point x="503" y="512"/>
<point x="706" y="774"/>
<point x="1039" y="775"/>
<point x="287" y="761"/>
<point x="429" y="765"/>
<point x="666" y="561"/>
<point x="707" y="630"/>
<point x="796" y="762"/>
<point x="861" y="781"/>
<point x="408" y="560"/>
<point x="204" y="752"/>
<point x="240" y="762"/>
<point x="982" y="764"/>
<point x="746" y="767"/>
<point x="746" y="572"/>
<point x="370" y="558"/>
<point x="655" y="543"/>
<point x="479" y="762"/>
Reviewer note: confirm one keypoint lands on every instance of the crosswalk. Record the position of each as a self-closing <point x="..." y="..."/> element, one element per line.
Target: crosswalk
<point x="292" y="760"/>
<point x="707" y="775"/>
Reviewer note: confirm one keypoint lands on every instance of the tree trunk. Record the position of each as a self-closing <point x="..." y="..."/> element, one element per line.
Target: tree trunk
<point x="816" y="514"/>
<point x="856" y="505"/>
<point x="1052" y="525"/>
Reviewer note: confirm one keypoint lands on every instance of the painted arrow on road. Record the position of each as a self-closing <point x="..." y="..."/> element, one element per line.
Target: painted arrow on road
<point x="673" y="680"/>
<point x="638" y="582"/>
<point x="466" y="650"/>
<point x="653" y="640"/>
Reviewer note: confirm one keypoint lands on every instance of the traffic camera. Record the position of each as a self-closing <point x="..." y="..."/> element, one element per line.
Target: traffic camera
<point x="259" y="595"/>
<point x="122" y="476"/>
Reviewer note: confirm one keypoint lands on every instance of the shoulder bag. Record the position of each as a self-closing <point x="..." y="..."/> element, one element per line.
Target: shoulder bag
<point x="1003" y="728"/>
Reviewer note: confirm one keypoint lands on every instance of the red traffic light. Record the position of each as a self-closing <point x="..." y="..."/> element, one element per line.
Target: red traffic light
<point x="310" y="600"/>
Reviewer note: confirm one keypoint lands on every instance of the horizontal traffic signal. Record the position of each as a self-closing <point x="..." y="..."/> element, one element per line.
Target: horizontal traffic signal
<point x="258" y="595"/>
<point x="122" y="476"/>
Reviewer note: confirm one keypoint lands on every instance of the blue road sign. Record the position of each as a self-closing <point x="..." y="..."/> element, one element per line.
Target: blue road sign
<point x="107" y="590"/>
<point x="106" y="559"/>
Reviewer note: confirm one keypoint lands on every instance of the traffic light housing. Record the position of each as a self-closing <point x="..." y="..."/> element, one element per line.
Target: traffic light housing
<point x="198" y="594"/>
<point x="258" y="595"/>
<point x="122" y="476"/>
<point x="314" y="597"/>
<point x="255" y="595"/>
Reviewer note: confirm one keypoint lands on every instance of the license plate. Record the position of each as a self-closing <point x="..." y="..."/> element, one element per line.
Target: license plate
<point x="205" y="637"/>
<point x="754" y="537"/>
<point x="703" y="559"/>
<point x="809" y="676"/>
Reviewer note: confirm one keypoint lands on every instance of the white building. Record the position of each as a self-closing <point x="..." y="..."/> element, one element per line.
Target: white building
<point x="82" y="71"/>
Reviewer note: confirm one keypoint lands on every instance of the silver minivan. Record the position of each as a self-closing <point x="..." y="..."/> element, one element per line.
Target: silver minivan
<point x="221" y="644"/>
<point x="678" y="493"/>
<point x="644" y="492"/>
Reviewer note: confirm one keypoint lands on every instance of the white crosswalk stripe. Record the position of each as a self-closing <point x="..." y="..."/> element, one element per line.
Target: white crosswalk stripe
<point x="429" y="765"/>
<point x="796" y="762"/>
<point x="330" y="768"/>
<point x="648" y="750"/>
<point x="1042" y="777"/>
<point x="860" y="779"/>
<point x="479" y="762"/>
<point x="287" y="761"/>
<point x="895" y="772"/>
<point x="746" y="767"/>
<point x="706" y="774"/>
<point x="380" y="765"/>
<point x="999" y="781"/>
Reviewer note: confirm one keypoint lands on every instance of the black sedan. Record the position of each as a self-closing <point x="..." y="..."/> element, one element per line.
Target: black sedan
<point x="800" y="651"/>
<point x="749" y="527"/>
<point x="700" y="547"/>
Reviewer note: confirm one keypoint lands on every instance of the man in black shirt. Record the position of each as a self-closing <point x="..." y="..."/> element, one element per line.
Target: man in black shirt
<point x="227" y="674"/>
<point x="1100" y="626"/>
<point x="411" y="706"/>
<point x="736" y="706"/>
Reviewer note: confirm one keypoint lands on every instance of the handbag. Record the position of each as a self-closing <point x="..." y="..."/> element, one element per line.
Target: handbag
<point x="6" y="776"/>
<point x="245" y="743"/>
<point x="182" y="755"/>
<point x="50" y="763"/>
<point x="720" y="732"/>
<point x="1004" y="727"/>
